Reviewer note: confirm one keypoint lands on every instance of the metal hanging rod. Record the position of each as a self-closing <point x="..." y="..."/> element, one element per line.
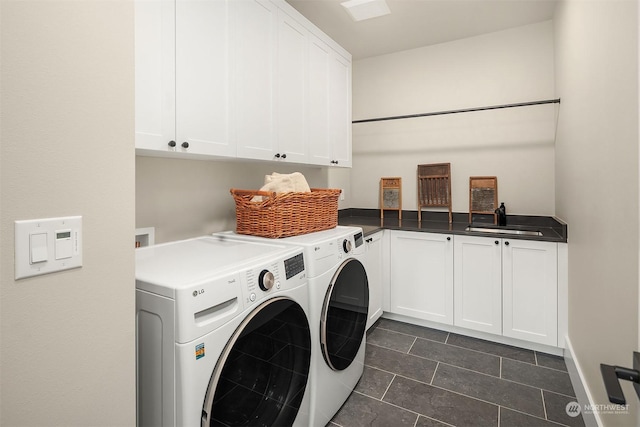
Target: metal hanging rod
<point x="464" y="110"/>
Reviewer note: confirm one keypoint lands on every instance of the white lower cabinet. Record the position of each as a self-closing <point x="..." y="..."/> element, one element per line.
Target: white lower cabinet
<point x="499" y="286"/>
<point x="477" y="283"/>
<point x="507" y="287"/>
<point x="530" y="291"/>
<point x="421" y="275"/>
<point x="373" y="265"/>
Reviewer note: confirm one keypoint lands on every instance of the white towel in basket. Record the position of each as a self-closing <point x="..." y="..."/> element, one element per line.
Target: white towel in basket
<point x="283" y="183"/>
<point x="296" y="179"/>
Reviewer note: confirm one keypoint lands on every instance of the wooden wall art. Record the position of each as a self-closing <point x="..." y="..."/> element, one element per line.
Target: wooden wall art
<point x="483" y="196"/>
<point x="434" y="187"/>
<point x="391" y="195"/>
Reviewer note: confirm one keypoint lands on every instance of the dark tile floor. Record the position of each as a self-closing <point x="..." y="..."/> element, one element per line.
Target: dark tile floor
<point x="416" y="376"/>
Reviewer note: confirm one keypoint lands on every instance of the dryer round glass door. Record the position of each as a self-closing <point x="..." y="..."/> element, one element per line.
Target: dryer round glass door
<point x="261" y="376"/>
<point x="344" y="315"/>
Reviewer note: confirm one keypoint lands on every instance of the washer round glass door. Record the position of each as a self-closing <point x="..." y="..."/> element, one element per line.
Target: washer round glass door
<point x="261" y="376"/>
<point x="344" y="315"/>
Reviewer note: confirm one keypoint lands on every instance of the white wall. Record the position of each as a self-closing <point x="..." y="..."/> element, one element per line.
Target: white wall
<point x="516" y="145"/>
<point x="188" y="198"/>
<point x="597" y="184"/>
<point x="68" y="338"/>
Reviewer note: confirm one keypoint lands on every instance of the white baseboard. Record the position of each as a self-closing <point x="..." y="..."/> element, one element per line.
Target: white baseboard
<point x="592" y="418"/>
<point x="476" y="334"/>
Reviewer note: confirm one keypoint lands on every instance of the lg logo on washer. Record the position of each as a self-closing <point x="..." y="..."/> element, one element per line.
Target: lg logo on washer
<point x="198" y="292"/>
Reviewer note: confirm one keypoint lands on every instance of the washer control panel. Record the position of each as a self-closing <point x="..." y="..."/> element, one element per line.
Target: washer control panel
<point x="282" y="274"/>
<point x="294" y="265"/>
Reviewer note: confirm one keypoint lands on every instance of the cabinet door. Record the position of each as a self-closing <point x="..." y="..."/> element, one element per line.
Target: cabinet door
<point x="422" y="275"/>
<point x="291" y="89"/>
<point x="530" y="285"/>
<point x="478" y="283"/>
<point x="318" y="101"/>
<point x="373" y="264"/>
<point x="255" y="50"/>
<point x="155" y="74"/>
<point x="203" y="77"/>
<point x="340" y="112"/>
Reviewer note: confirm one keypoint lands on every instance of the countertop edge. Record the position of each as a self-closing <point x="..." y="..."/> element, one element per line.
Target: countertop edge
<point x="371" y="225"/>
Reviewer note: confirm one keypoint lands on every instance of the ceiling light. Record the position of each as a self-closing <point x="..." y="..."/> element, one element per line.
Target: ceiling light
<point x="366" y="9"/>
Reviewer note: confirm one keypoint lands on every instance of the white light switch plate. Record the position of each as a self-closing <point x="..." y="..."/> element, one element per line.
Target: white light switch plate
<point x="36" y="254"/>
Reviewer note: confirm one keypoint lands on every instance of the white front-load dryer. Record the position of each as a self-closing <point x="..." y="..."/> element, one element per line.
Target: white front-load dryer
<point x="339" y="304"/>
<point x="223" y="334"/>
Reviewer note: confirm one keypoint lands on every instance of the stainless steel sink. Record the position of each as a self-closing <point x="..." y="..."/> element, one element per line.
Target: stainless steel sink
<point x="504" y="231"/>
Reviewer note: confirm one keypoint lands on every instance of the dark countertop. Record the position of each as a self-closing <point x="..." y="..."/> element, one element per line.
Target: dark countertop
<point x="552" y="229"/>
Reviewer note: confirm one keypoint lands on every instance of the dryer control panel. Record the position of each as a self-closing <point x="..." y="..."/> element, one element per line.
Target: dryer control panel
<point x="358" y="247"/>
<point x="351" y="244"/>
<point x="359" y="239"/>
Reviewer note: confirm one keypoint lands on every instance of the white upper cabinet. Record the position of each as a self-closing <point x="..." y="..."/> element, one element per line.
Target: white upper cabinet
<point x="340" y="111"/>
<point x="155" y="74"/>
<point x="329" y="105"/>
<point x="255" y="48"/>
<point x="291" y="90"/>
<point x="318" y="102"/>
<point x="183" y="78"/>
<point x="203" y="77"/>
<point x="251" y="79"/>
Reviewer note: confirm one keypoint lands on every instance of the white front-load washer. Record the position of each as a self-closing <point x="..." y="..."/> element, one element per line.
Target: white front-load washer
<point x="339" y="304"/>
<point x="223" y="334"/>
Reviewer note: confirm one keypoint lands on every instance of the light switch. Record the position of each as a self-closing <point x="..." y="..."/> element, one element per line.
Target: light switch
<point x="47" y="245"/>
<point x="38" y="248"/>
<point x="63" y="244"/>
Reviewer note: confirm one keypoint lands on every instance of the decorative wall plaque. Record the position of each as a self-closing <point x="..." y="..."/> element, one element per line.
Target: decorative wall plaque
<point x="483" y="196"/>
<point x="391" y="195"/>
<point x="434" y="187"/>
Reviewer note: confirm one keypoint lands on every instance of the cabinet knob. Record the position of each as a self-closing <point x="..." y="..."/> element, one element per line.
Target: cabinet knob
<point x="497" y="242"/>
<point x="449" y="238"/>
<point x="284" y="156"/>
<point x="334" y="162"/>
<point x="506" y="243"/>
<point x="172" y="143"/>
<point x="185" y="144"/>
<point x="277" y="156"/>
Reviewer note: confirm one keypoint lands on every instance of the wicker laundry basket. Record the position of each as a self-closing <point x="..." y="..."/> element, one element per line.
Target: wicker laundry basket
<point x="285" y="214"/>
